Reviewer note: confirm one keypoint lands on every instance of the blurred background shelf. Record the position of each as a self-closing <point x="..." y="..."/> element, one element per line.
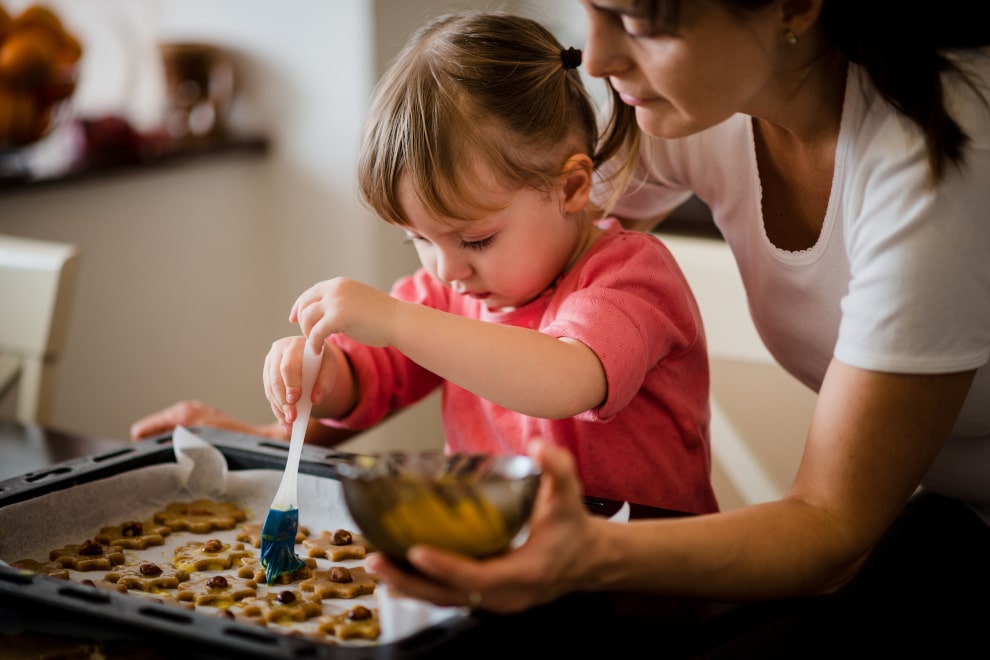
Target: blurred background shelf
<point x="100" y="164"/>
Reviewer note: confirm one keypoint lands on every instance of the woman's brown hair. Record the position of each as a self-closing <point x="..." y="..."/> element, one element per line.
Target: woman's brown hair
<point x="902" y="45"/>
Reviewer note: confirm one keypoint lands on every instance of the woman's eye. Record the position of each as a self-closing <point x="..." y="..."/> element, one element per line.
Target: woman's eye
<point x="636" y="27"/>
<point x="641" y="28"/>
<point x="478" y="245"/>
<point x="634" y="24"/>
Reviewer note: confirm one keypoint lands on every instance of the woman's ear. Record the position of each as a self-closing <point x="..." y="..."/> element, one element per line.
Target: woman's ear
<point x="577" y="175"/>
<point x="799" y="15"/>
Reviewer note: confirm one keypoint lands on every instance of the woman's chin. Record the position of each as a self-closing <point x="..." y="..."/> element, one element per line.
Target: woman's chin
<point x="667" y="123"/>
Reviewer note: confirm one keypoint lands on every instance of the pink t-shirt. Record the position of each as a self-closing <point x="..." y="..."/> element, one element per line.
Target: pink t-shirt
<point x="628" y="301"/>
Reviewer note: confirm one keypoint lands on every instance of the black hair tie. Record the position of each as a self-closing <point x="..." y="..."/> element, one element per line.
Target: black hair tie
<point x="570" y="58"/>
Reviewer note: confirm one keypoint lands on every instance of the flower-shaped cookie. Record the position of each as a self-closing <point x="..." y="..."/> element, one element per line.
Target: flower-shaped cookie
<point x="51" y="568"/>
<point x="88" y="556"/>
<point x="251" y="533"/>
<point x="200" y="516"/>
<point x="210" y="555"/>
<point x="358" y="622"/>
<point x="339" y="582"/>
<point x="337" y="546"/>
<point x="134" y="534"/>
<point x="217" y="590"/>
<point x="252" y="569"/>
<point x="147" y="576"/>
<point x="278" y="607"/>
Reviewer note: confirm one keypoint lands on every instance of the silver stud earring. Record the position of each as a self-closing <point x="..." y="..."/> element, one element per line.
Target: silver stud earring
<point x="790" y="37"/>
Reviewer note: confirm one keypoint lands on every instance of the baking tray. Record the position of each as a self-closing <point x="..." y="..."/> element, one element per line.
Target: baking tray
<point x="46" y="604"/>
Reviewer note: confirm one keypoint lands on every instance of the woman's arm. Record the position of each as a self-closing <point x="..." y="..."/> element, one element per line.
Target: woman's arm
<point x="873" y="436"/>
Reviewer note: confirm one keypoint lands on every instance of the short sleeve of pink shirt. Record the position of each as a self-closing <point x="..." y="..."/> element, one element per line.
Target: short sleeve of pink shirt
<point x="630" y="303"/>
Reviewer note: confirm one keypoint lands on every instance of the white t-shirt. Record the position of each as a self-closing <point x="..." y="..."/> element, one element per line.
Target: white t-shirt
<point x="899" y="279"/>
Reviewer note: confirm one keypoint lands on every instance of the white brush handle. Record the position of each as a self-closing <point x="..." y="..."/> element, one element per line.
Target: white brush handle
<point x="285" y="498"/>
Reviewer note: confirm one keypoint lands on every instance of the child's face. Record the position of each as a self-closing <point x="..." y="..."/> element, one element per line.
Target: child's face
<point x="504" y="258"/>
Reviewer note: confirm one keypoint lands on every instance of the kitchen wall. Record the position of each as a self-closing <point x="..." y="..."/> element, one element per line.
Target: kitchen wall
<point x="188" y="272"/>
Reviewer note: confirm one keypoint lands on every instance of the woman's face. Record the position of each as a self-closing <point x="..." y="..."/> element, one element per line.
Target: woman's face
<point x="718" y="63"/>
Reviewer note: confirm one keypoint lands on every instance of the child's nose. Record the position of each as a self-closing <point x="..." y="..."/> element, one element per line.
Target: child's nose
<point x="451" y="267"/>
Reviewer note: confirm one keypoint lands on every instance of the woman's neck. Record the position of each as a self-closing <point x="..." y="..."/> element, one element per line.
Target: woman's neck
<point x="804" y="104"/>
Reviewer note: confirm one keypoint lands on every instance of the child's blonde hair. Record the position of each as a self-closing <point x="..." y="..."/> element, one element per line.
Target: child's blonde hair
<point x="478" y="85"/>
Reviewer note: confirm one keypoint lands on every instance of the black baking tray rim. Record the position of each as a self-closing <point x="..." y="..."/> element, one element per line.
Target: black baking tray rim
<point x="43" y="603"/>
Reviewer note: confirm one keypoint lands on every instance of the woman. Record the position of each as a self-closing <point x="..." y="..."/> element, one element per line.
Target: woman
<point x="846" y="163"/>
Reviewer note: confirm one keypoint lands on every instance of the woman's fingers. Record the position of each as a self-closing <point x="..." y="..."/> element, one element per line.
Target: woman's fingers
<point x="414" y="585"/>
<point x="512" y="581"/>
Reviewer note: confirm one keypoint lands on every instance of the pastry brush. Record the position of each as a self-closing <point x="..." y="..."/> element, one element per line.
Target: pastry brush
<point x="278" y="534"/>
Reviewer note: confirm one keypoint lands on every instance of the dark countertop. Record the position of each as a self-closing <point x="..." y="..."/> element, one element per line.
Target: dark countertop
<point x="28" y="448"/>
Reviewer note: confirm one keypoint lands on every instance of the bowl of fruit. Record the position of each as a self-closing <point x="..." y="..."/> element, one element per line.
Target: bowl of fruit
<point x="39" y="61"/>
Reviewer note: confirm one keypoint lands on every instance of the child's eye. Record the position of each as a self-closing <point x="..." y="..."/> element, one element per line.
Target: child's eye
<point x="478" y="245"/>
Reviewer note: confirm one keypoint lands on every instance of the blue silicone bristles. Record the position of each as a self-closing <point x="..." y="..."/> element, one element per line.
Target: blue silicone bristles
<point x="278" y="544"/>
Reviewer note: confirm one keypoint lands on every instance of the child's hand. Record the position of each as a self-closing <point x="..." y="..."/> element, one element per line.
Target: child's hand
<point x="357" y="310"/>
<point x="339" y="305"/>
<point x="283" y="378"/>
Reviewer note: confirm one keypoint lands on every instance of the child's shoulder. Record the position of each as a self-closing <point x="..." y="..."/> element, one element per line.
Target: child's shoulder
<point x="629" y="251"/>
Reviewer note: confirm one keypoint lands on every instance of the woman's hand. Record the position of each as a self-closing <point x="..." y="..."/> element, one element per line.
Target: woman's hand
<point x="196" y="413"/>
<point x="540" y="570"/>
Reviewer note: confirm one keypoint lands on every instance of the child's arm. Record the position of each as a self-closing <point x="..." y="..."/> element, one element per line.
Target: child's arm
<point x="523" y="370"/>
<point x="517" y="368"/>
